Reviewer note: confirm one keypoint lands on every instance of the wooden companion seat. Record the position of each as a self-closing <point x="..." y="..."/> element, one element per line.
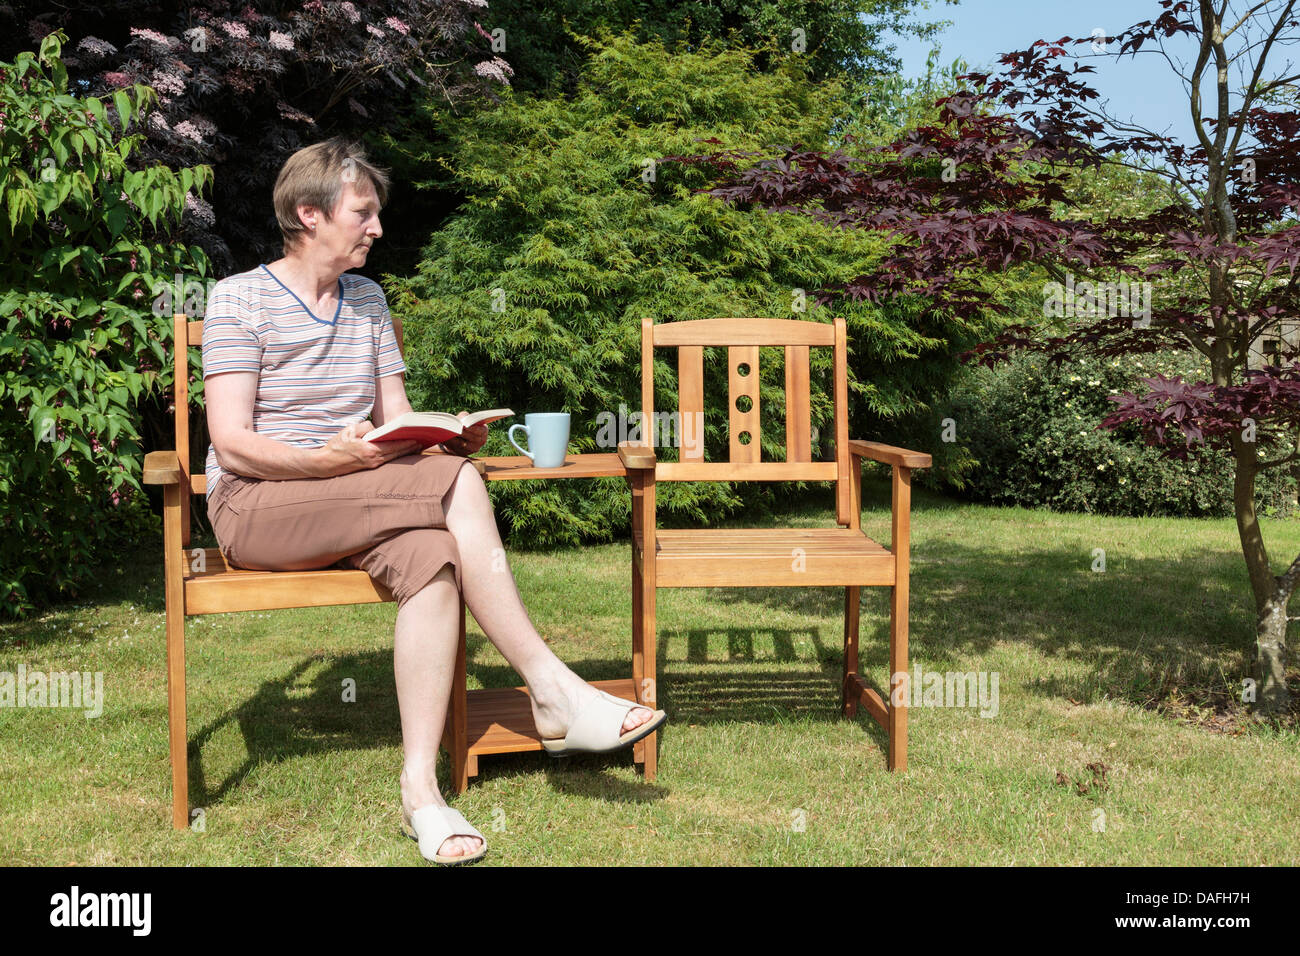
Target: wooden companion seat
<point x="497" y="720"/>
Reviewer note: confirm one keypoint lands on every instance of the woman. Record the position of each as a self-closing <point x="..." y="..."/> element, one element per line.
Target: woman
<point x="300" y="361"/>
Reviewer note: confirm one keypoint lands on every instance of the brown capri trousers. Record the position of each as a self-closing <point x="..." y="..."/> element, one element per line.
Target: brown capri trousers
<point x="386" y="521"/>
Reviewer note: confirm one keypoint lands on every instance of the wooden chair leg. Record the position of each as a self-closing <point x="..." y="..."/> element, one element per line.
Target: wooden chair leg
<point x="638" y="645"/>
<point x="177" y="740"/>
<point x="848" y="698"/>
<point x="174" y="599"/>
<point x="649" y="683"/>
<point x="645" y="751"/>
<point x="898" y="665"/>
<point x="455" y="740"/>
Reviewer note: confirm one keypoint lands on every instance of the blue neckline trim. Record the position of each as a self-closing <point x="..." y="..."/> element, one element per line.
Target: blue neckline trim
<point x="337" y="311"/>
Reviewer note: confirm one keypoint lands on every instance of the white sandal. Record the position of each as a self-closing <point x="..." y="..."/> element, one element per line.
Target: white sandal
<point x="598" y="728"/>
<point x="431" y="825"/>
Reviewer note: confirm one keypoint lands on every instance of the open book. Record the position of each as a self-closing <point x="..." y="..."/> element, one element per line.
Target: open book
<point x="432" y="428"/>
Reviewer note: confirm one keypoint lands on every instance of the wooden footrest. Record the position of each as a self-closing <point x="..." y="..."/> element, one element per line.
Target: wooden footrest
<point x="499" y="720"/>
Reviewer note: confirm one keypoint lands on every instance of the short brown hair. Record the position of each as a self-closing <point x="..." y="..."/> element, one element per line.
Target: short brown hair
<point x="314" y="176"/>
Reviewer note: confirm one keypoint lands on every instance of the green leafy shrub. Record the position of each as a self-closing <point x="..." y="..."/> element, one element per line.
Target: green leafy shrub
<point x="83" y="250"/>
<point x="532" y="296"/>
<point x="1033" y="431"/>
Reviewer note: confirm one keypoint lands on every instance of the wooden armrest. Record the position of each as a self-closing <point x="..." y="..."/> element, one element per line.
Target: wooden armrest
<point x="635" y="455"/>
<point x="888" y="454"/>
<point x="163" y="468"/>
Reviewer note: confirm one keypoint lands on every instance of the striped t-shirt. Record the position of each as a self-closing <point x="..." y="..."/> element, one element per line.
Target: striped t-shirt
<point x="315" y="375"/>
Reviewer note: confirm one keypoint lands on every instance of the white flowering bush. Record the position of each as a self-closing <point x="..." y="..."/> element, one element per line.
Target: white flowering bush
<point x="1033" y="431"/>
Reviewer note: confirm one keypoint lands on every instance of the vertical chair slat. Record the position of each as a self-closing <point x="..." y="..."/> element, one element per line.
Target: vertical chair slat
<point x="842" y="460"/>
<point x="181" y="410"/>
<point x="690" y="391"/>
<point x="737" y="386"/>
<point x="647" y="379"/>
<point x="798" y="412"/>
<point x="855" y="494"/>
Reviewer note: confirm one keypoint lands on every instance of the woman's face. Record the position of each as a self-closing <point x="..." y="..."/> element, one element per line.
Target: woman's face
<point x="346" y="237"/>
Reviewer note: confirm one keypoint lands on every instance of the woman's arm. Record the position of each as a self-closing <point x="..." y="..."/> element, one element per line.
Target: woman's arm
<point x="241" y="451"/>
<point x="390" y="399"/>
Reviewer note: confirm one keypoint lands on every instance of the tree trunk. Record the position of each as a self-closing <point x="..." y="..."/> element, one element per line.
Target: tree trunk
<point x="1270" y="661"/>
<point x="1272" y="594"/>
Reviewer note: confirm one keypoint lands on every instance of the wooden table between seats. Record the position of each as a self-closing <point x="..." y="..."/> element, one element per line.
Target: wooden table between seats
<point x="499" y="720"/>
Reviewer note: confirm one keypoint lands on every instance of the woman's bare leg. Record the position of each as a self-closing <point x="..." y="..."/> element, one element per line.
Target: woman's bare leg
<point x="491" y="594"/>
<point x="424" y="658"/>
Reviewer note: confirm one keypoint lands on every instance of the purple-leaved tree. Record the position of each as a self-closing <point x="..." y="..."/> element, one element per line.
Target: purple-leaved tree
<point x="242" y="86"/>
<point x="986" y="188"/>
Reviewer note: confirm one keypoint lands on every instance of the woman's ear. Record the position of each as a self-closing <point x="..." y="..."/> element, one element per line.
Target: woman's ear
<point x="308" y="216"/>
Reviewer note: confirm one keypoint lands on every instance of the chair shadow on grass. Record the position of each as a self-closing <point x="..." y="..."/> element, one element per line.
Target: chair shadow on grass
<point x="1138" y="627"/>
<point x="1142" y="626"/>
<point x="296" y="716"/>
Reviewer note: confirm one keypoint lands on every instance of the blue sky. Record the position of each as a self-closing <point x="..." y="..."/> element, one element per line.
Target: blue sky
<point x="1143" y="88"/>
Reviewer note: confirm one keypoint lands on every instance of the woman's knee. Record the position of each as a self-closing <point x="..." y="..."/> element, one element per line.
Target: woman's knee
<point x="465" y="472"/>
<point x="469" y="486"/>
<point x="444" y="581"/>
<point x="441" y="593"/>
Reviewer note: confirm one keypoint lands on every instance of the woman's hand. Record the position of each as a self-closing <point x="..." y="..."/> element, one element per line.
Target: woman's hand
<point x="470" y="441"/>
<point x="348" y="451"/>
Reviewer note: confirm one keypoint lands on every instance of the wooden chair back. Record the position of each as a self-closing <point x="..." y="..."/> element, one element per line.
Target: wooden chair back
<point x="743" y="337"/>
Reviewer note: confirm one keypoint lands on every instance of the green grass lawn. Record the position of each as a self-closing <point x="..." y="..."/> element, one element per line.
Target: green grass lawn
<point x="1107" y="683"/>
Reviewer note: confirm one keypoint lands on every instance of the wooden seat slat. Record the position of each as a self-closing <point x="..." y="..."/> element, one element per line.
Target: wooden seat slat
<point x="732" y="538"/>
<point x="273" y="590"/>
<point x="737" y="559"/>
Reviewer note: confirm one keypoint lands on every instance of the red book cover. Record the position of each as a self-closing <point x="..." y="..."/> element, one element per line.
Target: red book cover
<point x="432" y="428"/>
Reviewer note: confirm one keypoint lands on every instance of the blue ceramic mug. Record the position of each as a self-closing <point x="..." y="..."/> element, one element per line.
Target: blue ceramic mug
<point x="548" y="437"/>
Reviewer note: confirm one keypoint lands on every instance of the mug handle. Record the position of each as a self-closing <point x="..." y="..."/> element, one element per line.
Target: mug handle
<point x="511" y="435"/>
